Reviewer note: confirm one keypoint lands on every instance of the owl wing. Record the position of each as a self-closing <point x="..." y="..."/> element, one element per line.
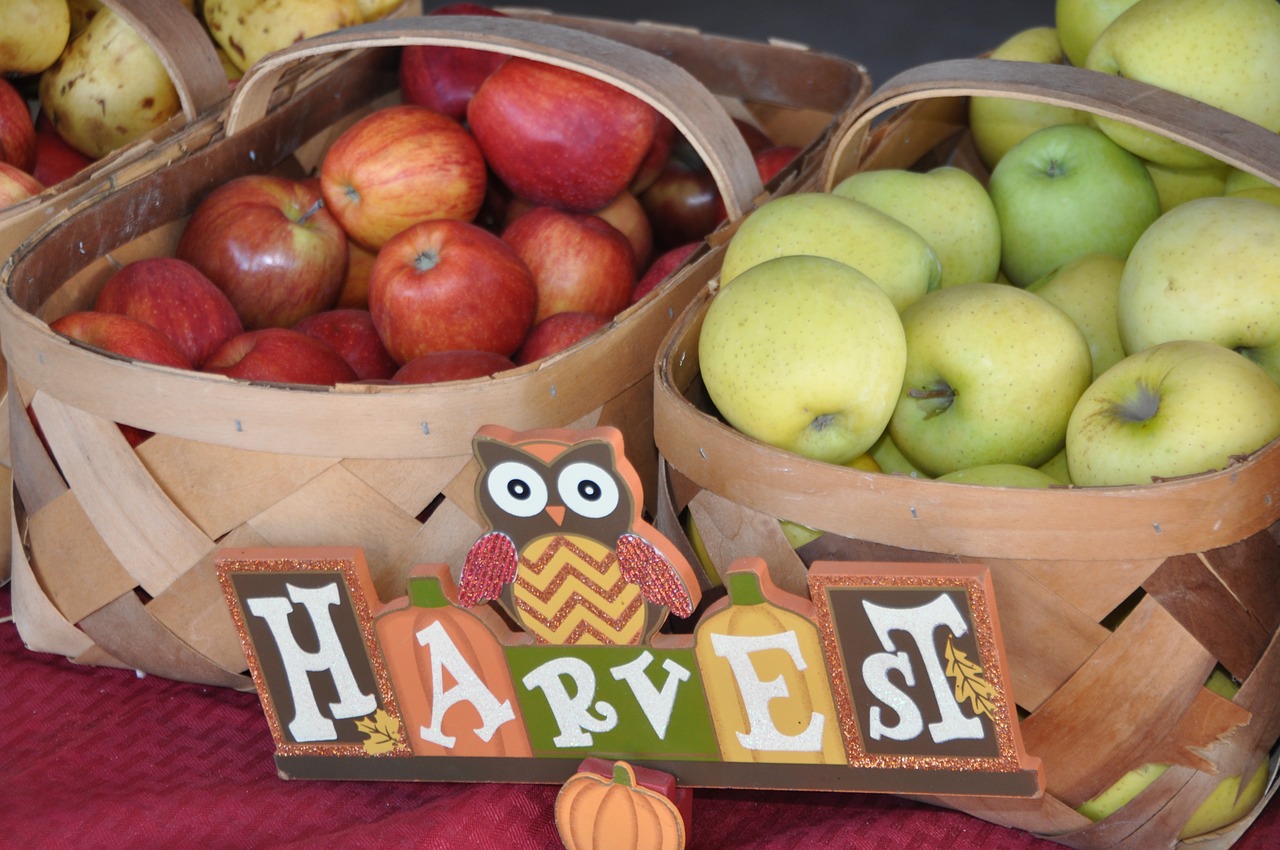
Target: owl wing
<point x="490" y="564"/>
<point x="659" y="581"/>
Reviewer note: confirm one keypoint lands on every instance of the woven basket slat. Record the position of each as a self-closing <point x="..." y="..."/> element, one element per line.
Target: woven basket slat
<point x="412" y="483"/>
<point x="66" y="533"/>
<point x="1096" y="588"/>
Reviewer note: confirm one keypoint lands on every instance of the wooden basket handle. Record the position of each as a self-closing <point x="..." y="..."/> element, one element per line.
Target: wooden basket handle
<point x="1226" y="137"/>
<point x="670" y="89"/>
<point x="184" y="48"/>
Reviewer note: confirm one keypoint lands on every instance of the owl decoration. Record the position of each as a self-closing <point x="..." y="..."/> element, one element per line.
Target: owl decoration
<point x="568" y="553"/>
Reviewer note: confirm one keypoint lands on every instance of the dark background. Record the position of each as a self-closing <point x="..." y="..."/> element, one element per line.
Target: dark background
<point x="886" y="36"/>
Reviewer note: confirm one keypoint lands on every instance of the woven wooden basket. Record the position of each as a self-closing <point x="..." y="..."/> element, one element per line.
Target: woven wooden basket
<point x="189" y="56"/>
<point x="1193" y="562"/>
<point x="116" y="565"/>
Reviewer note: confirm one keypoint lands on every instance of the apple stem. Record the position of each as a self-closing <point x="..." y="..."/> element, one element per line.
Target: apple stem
<point x="1143" y="404"/>
<point x="315" y="208"/>
<point x="941" y="392"/>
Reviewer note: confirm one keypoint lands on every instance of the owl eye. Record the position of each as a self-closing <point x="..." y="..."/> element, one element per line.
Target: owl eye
<point x="517" y="488"/>
<point x="588" y="490"/>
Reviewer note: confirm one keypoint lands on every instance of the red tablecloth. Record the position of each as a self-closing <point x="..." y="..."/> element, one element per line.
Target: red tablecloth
<point x="95" y="757"/>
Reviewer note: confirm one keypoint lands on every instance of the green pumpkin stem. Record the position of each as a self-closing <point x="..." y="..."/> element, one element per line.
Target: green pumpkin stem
<point x="426" y="592"/>
<point x="622" y="774"/>
<point x="744" y="588"/>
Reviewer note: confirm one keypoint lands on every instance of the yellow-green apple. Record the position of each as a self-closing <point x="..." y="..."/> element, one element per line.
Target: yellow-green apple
<point x="279" y="355"/>
<point x="948" y="206"/>
<point x="1209" y="270"/>
<point x="398" y="166"/>
<point x="559" y="137"/>
<point x="628" y="216"/>
<point x="446" y="285"/>
<point x="125" y="336"/>
<point x="82" y="11"/>
<point x="890" y="458"/>
<point x="999" y="123"/>
<point x="440" y="366"/>
<point x="1226" y="803"/>
<point x="32" y="34"/>
<point x="993" y="372"/>
<point x="1056" y="467"/>
<point x="1001" y="475"/>
<point x="17" y="129"/>
<point x="445" y="78"/>
<point x="1178" y="185"/>
<point x="55" y="159"/>
<point x="1088" y="290"/>
<point x="1247" y="185"/>
<point x="1177" y="408"/>
<point x="1221" y="52"/>
<point x="580" y="262"/>
<point x="662" y="268"/>
<point x="250" y="29"/>
<point x="175" y="297"/>
<point x="350" y="332"/>
<point x="557" y="332"/>
<point x="822" y="224"/>
<point x="1066" y="191"/>
<point x="1080" y="22"/>
<point x="108" y="87"/>
<point x="16" y="185"/>
<point x="269" y="243"/>
<point x="804" y="353"/>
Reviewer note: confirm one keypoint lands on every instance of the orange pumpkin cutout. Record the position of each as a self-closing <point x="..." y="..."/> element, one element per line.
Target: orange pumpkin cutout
<point x="594" y="812"/>
<point x="449" y="672"/>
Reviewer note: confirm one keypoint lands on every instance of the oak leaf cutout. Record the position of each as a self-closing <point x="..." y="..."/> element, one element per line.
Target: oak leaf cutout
<point x="971" y="685"/>
<point x="382" y="731"/>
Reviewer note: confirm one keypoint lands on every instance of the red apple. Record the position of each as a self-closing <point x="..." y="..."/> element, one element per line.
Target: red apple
<point x="661" y="268"/>
<point x="280" y="355"/>
<point x="682" y="203"/>
<point x="580" y="262"/>
<point x="439" y="366"/>
<point x="557" y="332"/>
<point x="17" y="129"/>
<point x="769" y="161"/>
<point x="125" y="336"/>
<point x="398" y="166"/>
<point x="55" y="159"/>
<point x="351" y="333"/>
<point x="664" y="142"/>
<point x="444" y="285"/>
<point x="355" y="286"/>
<point x="756" y="139"/>
<point x="177" y="299"/>
<point x="445" y="78"/>
<point x="558" y="137"/>
<point x="628" y="216"/>
<point x="270" y="245"/>
<point x="16" y="185"/>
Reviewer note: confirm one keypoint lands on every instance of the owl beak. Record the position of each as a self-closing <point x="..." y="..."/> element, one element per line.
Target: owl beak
<point x="556" y="512"/>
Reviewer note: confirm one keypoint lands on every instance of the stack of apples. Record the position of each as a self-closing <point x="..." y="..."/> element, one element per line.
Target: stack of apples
<point x="78" y="82"/>
<point x="490" y="218"/>
<point x="1093" y="306"/>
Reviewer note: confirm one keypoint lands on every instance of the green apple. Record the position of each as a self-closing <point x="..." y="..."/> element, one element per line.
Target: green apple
<point x="1080" y="22"/>
<point x="1056" y="467"/>
<point x="1238" y="180"/>
<point x="1088" y="290"/>
<point x="999" y="123"/>
<point x="1178" y="185"/>
<point x="948" y="206"/>
<point x="822" y="224"/>
<point x="1001" y="475"/>
<point x="1066" y="191"/>
<point x="1221" y="52"/>
<point x="891" y="460"/>
<point x="804" y="353"/>
<point x="1177" y="408"/>
<point x="1208" y="270"/>
<point x="993" y="372"/>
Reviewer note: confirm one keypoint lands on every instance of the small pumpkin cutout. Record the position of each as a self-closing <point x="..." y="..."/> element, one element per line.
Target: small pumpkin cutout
<point x="594" y="812"/>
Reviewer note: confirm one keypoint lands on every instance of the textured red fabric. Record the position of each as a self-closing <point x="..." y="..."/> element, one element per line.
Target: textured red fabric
<point x="99" y="758"/>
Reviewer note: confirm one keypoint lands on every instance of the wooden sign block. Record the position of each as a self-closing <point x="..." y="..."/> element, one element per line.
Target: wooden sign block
<point x="887" y="677"/>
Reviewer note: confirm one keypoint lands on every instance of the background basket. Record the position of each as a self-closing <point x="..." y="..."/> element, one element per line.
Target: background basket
<point x="116" y="565"/>
<point x="192" y="62"/>
<point x="1116" y="602"/>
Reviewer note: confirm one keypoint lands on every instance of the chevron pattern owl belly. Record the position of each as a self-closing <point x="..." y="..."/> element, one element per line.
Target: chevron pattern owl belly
<point x="569" y="589"/>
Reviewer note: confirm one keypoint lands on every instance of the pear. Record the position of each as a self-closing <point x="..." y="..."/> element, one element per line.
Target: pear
<point x="108" y="88"/>
<point x="250" y="29"/>
<point x="33" y="34"/>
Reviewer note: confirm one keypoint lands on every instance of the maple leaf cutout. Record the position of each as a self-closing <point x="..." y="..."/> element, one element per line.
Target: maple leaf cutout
<point x="971" y="685"/>
<point x="383" y="732"/>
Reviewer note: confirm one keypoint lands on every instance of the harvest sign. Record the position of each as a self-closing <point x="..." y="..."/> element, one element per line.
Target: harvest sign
<point x="890" y="677"/>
